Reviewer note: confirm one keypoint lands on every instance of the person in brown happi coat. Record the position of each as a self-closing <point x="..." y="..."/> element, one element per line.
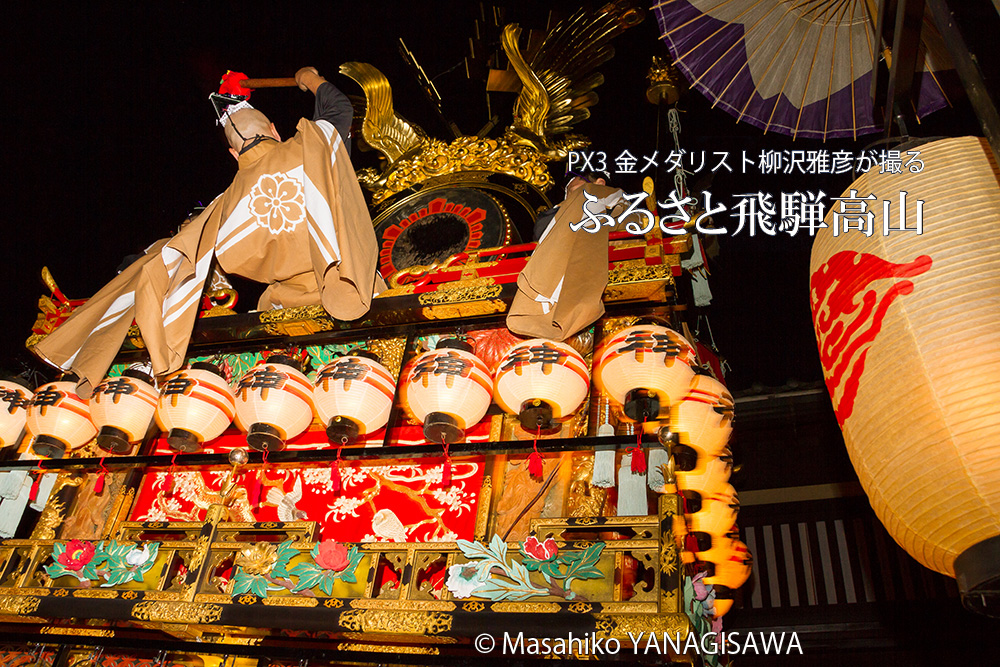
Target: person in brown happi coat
<point x="294" y="217"/>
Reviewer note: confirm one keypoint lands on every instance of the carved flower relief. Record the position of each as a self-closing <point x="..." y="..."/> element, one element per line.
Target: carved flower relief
<point x="543" y="551"/>
<point x="332" y="556"/>
<point x="276" y="202"/>
<point x="257" y="559"/>
<point x="78" y="553"/>
<point x="464" y="579"/>
<point x="138" y="557"/>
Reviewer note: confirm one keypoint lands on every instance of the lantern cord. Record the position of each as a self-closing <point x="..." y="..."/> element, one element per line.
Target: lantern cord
<point x="638" y="456"/>
<point x="446" y="469"/>
<point x="335" y="479"/>
<point x="168" y="483"/>
<point x="535" y="466"/>
<point x="528" y="506"/>
<point x="36" y="483"/>
<point x="99" y="484"/>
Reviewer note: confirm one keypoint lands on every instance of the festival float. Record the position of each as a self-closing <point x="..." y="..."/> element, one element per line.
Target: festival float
<point x="312" y="489"/>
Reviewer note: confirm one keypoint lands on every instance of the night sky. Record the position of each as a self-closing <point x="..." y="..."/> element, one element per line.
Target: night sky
<point x="110" y="141"/>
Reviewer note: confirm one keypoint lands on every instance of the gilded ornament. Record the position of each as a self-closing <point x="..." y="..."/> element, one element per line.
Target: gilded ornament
<point x="295" y="601"/>
<point x="380" y="648"/>
<point x="483" y="506"/>
<point x="129" y="595"/>
<point x="247" y="598"/>
<point x="581" y="608"/>
<point x="403" y="605"/>
<point x="60" y="593"/>
<point x="623" y="624"/>
<point x="18" y="605"/>
<point x="462" y="292"/>
<point x="258" y="558"/>
<point x="76" y="632"/>
<point x="333" y="603"/>
<point x="177" y="612"/>
<point x="390" y="351"/>
<point x="473" y="606"/>
<point x="668" y="558"/>
<point x="409" y="622"/>
<point x="525" y="607"/>
<point x="95" y="593"/>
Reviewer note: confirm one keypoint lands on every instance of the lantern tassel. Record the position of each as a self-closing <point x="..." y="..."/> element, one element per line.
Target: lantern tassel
<point x="36" y="479"/>
<point x="99" y="484"/>
<point x="335" y="479"/>
<point x="168" y="481"/>
<point x="446" y="470"/>
<point x="535" y="467"/>
<point x="639" y="456"/>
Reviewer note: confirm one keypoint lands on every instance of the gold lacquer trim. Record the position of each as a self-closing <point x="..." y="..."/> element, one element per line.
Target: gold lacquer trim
<point x="525" y="607"/>
<point x="177" y="612"/>
<point x="409" y="622"/>
<point x="291" y="602"/>
<point x="19" y="606"/>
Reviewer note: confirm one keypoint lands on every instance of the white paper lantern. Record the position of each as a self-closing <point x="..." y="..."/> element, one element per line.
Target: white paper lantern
<point x="703" y="419"/>
<point x="448" y="390"/>
<point x="58" y="419"/>
<point x="122" y="408"/>
<point x="645" y="368"/>
<point x="541" y="380"/>
<point x="195" y="406"/>
<point x="353" y="397"/>
<point x="273" y="403"/>
<point x="14" y="400"/>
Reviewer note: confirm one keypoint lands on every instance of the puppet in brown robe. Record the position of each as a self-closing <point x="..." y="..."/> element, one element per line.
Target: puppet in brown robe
<point x="559" y="290"/>
<point x="294" y="217"/>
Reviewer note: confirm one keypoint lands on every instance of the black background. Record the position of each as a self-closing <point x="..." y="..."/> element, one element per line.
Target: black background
<point x="109" y="141"/>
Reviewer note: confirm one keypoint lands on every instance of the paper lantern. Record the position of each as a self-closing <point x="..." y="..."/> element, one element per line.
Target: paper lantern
<point x="58" y="419"/>
<point x="448" y="390"/>
<point x="196" y="405"/>
<point x="14" y="399"/>
<point x="717" y="513"/>
<point x="645" y="368"/>
<point x="273" y="403"/>
<point x="541" y="380"/>
<point x="703" y="419"/>
<point x="908" y="326"/>
<point x="710" y="473"/>
<point x="353" y="396"/>
<point x="122" y="408"/>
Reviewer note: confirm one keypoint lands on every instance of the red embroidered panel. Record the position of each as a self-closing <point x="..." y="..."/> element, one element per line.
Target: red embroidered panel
<point x="381" y="501"/>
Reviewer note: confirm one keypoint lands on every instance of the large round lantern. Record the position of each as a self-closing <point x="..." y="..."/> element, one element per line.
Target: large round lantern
<point x="645" y="368"/>
<point x="708" y="474"/>
<point x="196" y="405"/>
<point x="353" y="396"/>
<point x="541" y="380"/>
<point x="273" y="403"/>
<point x="14" y="399"/>
<point x="907" y="316"/>
<point x="58" y="419"/>
<point x="448" y="390"/>
<point x="121" y="408"/>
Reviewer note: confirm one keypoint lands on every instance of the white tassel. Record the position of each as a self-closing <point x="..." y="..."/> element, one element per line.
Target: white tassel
<point x="655" y="459"/>
<point x="11" y="482"/>
<point x="44" y="489"/>
<point x="604" y="461"/>
<point x="631" y="490"/>
<point x="11" y="510"/>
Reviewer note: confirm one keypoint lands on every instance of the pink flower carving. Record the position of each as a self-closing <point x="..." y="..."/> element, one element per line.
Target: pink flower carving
<point x="546" y="550"/>
<point x="332" y="556"/>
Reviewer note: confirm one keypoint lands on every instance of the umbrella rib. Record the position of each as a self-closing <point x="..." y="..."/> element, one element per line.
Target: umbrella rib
<point x="717" y="31"/>
<point x="833" y="62"/>
<point x="731" y="47"/>
<point x="777" y="98"/>
<point x="701" y="15"/>
<point x="805" y="89"/>
<point x="746" y="64"/>
<point x="766" y="70"/>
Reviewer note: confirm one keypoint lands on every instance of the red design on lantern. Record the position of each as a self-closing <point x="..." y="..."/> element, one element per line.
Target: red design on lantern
<point x="847" y="325"/>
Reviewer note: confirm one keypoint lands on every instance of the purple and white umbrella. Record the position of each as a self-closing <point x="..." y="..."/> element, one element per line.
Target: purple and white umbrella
<point x="799" y="67"/>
